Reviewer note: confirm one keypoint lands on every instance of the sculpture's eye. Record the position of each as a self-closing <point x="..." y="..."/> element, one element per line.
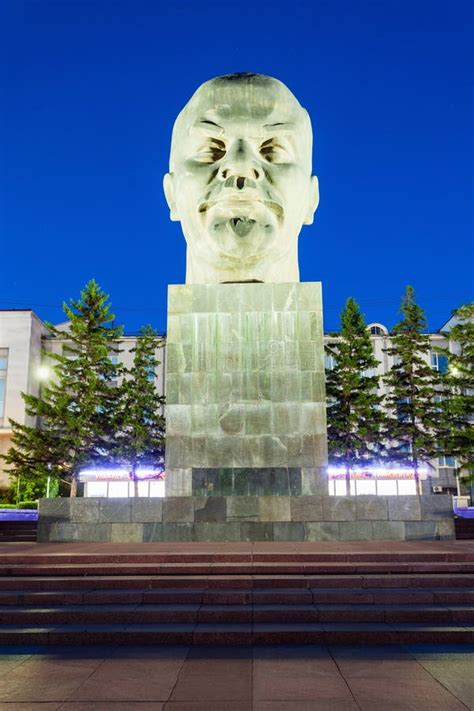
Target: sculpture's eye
<point x="213" y="151"/>
<point x="274" y="152"/>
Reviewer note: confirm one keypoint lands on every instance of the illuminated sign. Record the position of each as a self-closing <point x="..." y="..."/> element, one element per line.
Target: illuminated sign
<point x="121" y="474"/>
<point x="377" y="473"/>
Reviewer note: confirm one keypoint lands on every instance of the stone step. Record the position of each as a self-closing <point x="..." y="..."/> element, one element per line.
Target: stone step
<point x="271" y="596"/>
<point x="232" y="568"/>
<point x="250" y="633"/>
<point x="163" y="613"/>
<point x="200" y="557"/>
<point x="464" y="529"/>
<point x="18" y="532"/>
<point x="17" y="537"/>
<point x="94" y="582"/>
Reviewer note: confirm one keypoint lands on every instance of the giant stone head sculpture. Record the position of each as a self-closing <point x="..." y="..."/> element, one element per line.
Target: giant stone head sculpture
<point x="240" y="180"/>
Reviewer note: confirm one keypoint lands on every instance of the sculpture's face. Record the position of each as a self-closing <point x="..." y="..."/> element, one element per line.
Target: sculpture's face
<point x="240" y="180"/>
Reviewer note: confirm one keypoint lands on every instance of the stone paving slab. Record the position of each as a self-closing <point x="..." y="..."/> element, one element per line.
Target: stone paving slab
<point x="184" y="678"/>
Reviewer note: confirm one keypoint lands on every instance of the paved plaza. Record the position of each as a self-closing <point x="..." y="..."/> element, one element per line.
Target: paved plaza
<point x="267" y="678"/>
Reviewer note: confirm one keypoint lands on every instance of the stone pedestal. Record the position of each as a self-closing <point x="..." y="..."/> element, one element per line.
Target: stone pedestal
<point x="245" y="395"/>
<point x="247" y="518"/>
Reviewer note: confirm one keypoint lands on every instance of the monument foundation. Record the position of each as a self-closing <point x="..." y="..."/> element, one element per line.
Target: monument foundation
<point x="246" y="518"/>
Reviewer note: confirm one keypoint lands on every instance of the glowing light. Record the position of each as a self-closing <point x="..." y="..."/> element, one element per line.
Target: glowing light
<point x="44" y="372"/>
<point x="376" y="472"/>
<point x="121" y="474"/>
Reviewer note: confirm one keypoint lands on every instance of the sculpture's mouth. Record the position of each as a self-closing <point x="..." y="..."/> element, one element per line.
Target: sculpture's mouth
<point x="242" y="217"/>
<point x="233" y="204"/>
<point x="241" y="225"/>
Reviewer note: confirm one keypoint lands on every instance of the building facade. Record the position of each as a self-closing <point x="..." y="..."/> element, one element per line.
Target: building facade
<point x="23" y="336"/>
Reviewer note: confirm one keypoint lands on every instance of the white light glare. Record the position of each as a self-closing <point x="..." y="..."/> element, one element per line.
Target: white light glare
<point x="377" y="471"/>
<point x="44" y="372"/>
<point x="119" y="474"/>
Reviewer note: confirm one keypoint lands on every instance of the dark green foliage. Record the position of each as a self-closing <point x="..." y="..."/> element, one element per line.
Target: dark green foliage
<point x="139" y="422"/>
<point x="355" y="417"/>
<point x="457" y="438"/>
<point x="73" y="417"/>
<point x="28" y="488"/>
<point x="7" y="495"/>
<point x="414" y="413"/>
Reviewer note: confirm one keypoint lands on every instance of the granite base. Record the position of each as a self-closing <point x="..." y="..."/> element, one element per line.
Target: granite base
<point x="246" y="518"/>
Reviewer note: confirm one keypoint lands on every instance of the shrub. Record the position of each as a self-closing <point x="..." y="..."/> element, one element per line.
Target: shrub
<point x="7" y="494"/>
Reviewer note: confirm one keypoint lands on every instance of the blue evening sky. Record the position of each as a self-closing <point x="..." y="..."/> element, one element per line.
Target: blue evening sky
<point x="89" y="93"/>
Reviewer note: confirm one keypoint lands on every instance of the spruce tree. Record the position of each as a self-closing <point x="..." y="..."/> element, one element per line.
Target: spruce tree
<point x="73" y="416"/>
<point x="355" y="417"/>
<point x="139" y="421"/>
<point x="457" y="404"/>
<point x="414" y="413"/>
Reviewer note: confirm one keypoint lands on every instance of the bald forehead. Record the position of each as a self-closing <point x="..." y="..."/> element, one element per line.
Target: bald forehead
<point x="245" y="99"/>
<point x="259" y="98"/>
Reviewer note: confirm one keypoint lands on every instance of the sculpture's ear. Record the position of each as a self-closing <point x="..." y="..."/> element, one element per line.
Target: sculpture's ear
<point x="168" y="187"/>
<point x="313" y="200"/>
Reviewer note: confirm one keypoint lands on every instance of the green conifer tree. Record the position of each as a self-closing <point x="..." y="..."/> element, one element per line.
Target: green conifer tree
<point x="355" y="416"/>
<point x="457" y="404"/>
<point x="73" y="415"/>
<point x="139" y="422"/>
<point x="414" y="413"/>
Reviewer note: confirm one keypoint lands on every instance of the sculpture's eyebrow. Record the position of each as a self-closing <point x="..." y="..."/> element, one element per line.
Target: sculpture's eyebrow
<point x="208" y="125"/>
<point x="279" y="126"/>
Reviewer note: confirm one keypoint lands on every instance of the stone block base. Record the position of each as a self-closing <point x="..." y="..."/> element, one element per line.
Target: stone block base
<point x="246" y="518"/>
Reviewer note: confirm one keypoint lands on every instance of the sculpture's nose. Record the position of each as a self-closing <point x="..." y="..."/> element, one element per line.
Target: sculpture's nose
<point x="239" y="169"/>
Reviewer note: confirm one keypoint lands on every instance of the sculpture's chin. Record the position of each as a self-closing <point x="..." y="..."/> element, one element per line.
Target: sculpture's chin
<point x="242" y="239"/>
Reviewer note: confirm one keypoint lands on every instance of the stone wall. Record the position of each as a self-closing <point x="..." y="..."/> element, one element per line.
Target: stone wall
<point x="246" y="518"/>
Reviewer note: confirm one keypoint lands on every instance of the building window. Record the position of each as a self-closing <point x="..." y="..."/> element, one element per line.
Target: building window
<point x="329" y="361"/>
<point x="376" y="331"/>
<point x="403" y="413"/>
<point x="377" y="487"/>
<point x="447" y="461"/>
<point x="2" y="398"/>
<point x="439" y="362"/>
<point x="115" y="361"/>
<point x="3" y="381"/>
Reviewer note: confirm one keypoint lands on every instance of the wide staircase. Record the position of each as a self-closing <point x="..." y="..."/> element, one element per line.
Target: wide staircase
<point x="237" y="594"/>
